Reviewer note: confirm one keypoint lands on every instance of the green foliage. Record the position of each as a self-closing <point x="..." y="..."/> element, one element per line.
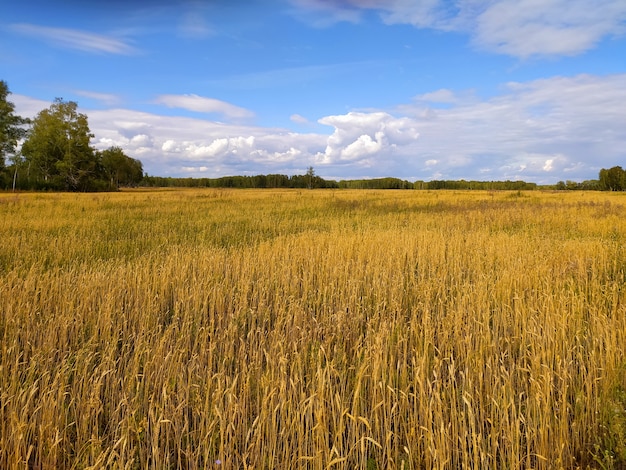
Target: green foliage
<point x="311" y="180"/>
<point x="376" y="183"/>
<point x="57" y="155"/>
<point x="611" y="453"/>
<point x="484" y="185"/>
<point x="57" y="150"/>
<point x="11" y="126"/>
<point x="257" y="181"/>
<point x="587" y="185"/>
<point x="613" y="179"/>
<point x="120" y="169"/>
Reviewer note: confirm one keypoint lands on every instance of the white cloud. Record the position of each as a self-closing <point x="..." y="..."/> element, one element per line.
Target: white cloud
<point x="437" y="14"/>
<point x="76" y="39"/>
<point x="288" y="156"/>
<point x="438" y="96"/>
<point x="548" y="166"/>
<point x="27" y="106"/>
<point x="170" y="146"/>
<point x="105" y="98"/>
<point x="358" y="135"/>
<point x="195" y="170"/>
<point x="201" y="104"/>
<point x="241" y="146"/>
<point x="216" y="148"/>
<point x="520" y="28"/>
<point x="298" y="119"/>
<point x="363" y="146"/>
<point x="141" y="140"/>
<point x="549" y="27"/>
<point x="130" y="128"/>
<point x="321" y="13"/>
<point x="534" y="129"/>
<point x="178" y="145"/>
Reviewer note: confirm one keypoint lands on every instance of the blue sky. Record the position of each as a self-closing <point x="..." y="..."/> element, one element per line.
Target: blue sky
<point x="416" y="89"/>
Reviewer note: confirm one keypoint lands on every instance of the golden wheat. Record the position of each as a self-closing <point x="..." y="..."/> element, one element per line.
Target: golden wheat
<point x="312" y="329"/>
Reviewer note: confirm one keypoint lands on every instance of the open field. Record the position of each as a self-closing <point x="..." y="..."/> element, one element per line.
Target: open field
<point x="313" y="329"/>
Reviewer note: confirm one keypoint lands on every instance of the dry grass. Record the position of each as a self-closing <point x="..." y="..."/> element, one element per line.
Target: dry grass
<point x="312" y="329"/>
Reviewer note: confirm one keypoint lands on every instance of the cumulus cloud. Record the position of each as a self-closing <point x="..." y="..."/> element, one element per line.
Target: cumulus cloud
<point x="177" y="145"/>
<point x="241" y="146"/>
<point x="549" y="165"/>
<point x="358" y="135"/>
<point x="76" y="39"/>
<point x="141" y="140"/>
<point x="201" y="104"/>
<point x="290" y="155"/>
<point x="216" y="148"/>
<point x="363" y="146"/>
<point x="170" y="146"/>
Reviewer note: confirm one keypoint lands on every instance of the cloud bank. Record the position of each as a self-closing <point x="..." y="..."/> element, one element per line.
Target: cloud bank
<point x="543" y="131"/>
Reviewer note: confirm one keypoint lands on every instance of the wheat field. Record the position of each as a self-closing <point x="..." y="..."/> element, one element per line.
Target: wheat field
<point x="323" y="329"/>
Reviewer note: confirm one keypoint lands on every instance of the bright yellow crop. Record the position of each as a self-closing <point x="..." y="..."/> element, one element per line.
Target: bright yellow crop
<point x="313" y="329"/>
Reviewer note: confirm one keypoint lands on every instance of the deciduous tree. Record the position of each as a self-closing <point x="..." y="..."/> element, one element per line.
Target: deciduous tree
<point x="120" y="169"/>
<point x="310" y="174"/>
<point x="613" y="179"/>
<point x="12" y="127"/>
<point x="58" y="150"/>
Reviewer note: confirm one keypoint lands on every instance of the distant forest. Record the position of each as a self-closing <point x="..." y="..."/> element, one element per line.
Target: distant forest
<point x="304" y="182"/>
<point x="612" y="179"/>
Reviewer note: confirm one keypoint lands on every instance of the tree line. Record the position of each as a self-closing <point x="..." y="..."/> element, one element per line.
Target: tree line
<point x="56" y="153"/>
<point x="257" y="181"/>
<point x="609" y="179"/>
<point x="314" y="181"/>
